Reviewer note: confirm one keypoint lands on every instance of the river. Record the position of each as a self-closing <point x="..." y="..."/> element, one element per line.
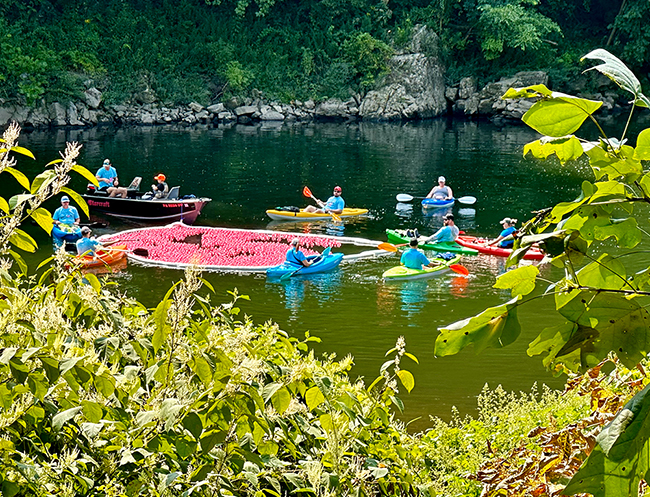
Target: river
<point x="248" y="169"/>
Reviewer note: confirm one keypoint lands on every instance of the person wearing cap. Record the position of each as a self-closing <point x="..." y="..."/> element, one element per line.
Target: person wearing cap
<point x="65" y="222"/>
<point x="106" y="176"/>
<point x="334" y="204"/>
<point x="87" y="245"/>
<point x="160" y="189"/>
<point x="448" y="233"/>
<point x="441" y="191"/>
<point x="295" y="255"/>
<point x="508" y="229"/>
<point x="413" y="258"/>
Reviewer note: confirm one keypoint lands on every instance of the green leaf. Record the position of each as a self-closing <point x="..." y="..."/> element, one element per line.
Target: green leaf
<point x="23" y="241"/>
<point x="92" y="410"/>
<point x="560" y="116"/>
<point x="162" y="327"/>
<point x="619" y="73"/>
<point x="326" y="422"/>
<point x="281" y="400"/>
<point x="407" y="379"/>
<point x="78" y="199"/>
<point x="533" y="91"/>
<point x="521" y="280"/>
<point x="192" y="423"/>
<point x="60" y="419"/>
<point x="20" y="177"/>
<point x="494" y="327"/>
<point x="625" y="231"/>
<point x="86" y="174"/>
<point x="212" y="438"/>
<point x="202" y="369"/>
<point x="551" y="341"/>
<point x="105" y="384"/>
<point x="42" y="181"/>
<point x="4" y="206"/>
<point x="642" y="150"/>
<point x="93" y="281"/>
<point x="23" y="151"/>
<point x="10" y="488"/>
<point x="314" y="397"/>
<point x="565" y="148"/>
<point x="16" y="200"/>
<point x="43" y="218"/>
<point x="621" y="458"/>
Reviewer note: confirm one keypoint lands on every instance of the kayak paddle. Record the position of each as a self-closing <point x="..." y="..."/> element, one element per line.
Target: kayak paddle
<point x="405" y="197"/>
<point x="142" y="252"/>
<point x="307" y="193"/>
<point x="324" y="253"/>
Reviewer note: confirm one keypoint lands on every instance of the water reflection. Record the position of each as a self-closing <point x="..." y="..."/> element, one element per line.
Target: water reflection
<point x="321" y="287"/>
<point x="403" y="210"/>
<point x="414" y="296"/>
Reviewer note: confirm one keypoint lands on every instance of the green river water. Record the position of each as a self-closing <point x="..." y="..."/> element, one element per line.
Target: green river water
<point x="248" y="169"/>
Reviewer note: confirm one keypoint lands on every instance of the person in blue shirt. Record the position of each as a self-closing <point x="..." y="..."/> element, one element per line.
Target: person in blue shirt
<point x="334" y="204"/>
<point x="413" y="258"/>
<point x="448" y="233"/>
<point x="508" y="224"/>
<point x="87" y="245"/>
<point x="65" y="222"/>
<point x="295" y="255"/>
<point x="107" y="176"/>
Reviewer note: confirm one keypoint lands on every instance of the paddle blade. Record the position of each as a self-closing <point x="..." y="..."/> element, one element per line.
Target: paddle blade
<point x="459" y="268"/>
<point x="336" y="217"/>
<point x="286" y="276"/>
<point x="326" y="252"/>
<point x="307" y="192"/>
<point x="403" y="197"/>
<point x="387" y="246"/>
<point x="142" y="252"/>
<point x="467" y="200"/>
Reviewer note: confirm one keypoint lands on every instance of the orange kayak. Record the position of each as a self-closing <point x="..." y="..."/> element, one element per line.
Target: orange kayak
<point x="102" y="257"/>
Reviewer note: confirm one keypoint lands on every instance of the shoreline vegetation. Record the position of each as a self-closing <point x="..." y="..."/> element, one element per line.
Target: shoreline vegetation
<point x="102" y="396"/>
<point x="155" y="62"/>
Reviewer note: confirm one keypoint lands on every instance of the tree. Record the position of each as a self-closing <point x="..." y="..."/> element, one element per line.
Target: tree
<point x="604" y="302"/>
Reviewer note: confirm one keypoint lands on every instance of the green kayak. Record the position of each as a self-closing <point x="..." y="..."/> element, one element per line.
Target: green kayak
<point x="399" y="236"/>
<point x="404" y="273"/>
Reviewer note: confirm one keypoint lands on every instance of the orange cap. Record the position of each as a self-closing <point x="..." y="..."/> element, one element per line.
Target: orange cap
<point x="161" y="177"/>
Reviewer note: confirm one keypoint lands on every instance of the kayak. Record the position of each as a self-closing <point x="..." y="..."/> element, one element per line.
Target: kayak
<point x="404" y="273"/>
<point x="433" y="203"/>
<point x="323" y="264"/>
<point x="301" y="215"/>
<point x="399" y="236"/>
<point x="102" y="257"/>
<point x="481" y="244"/>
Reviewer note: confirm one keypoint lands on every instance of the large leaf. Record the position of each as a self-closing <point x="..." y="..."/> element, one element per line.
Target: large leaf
<point x="43" y="218"/>
<point x="533" y="91"/>
<point x="314" y="397"/>
<point x="494" y="327"/>
<point x="20" y="177"/>
<point x="86" y="174"/>
<point x="59" y="420"/>
<point x="560" y="116"/>
<point x="622" y="457"/>
<point x="565" y="148"/>
<point x="23" y="241"/>
<point x="551" y="341"/>
<point x="626" y="232"/>
<point x="162" y="326"/>
<point x="43" y="180"/>
<point x="16" y="200"/>
<point x="618" y="72"/>
<point x="78" y="199"/>
<point x="23" y="151"/>
<point x="642" y="150"/>
<point x="407" y="379"/>
<point x="521" y="280"/>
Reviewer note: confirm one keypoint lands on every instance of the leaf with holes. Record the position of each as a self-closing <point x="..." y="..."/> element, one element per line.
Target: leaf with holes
<point x="520" y="281"/>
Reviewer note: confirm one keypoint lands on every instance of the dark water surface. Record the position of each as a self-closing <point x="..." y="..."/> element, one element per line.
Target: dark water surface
<point x="246" y="170"/>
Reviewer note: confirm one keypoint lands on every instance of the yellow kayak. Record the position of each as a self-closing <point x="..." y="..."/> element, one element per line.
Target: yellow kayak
<point x="301" y="215"/>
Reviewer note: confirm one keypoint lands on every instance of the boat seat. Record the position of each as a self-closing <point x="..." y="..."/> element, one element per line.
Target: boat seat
<point x="173" y="193"/>
<point x="134" y="188"/>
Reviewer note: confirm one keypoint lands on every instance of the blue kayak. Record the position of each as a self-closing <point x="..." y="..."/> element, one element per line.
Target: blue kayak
<point x="433" y="203"/>
<point x="323" y="263"/>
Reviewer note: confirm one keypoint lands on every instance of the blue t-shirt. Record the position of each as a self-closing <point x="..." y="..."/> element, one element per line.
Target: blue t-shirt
<point x="109" y="175"/>
<point x="335" y="203"/>
<point x="295" y="257"/>
<point x="86" y="244"/>
<point x="445" y="234"/>
<point x="66" y="216"/>
<point x="414" y="259"/>
<point x="504" y="233"/>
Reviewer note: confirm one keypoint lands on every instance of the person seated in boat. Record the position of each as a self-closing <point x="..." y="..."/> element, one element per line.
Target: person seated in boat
<point x="508" y="224"/>
<point x="295" y="255"/>
<point x="160" y="189"/>
<point x="89" y="246"/>
<point x="448" y="233"/>
<point x="441" y="191"/>
<point x="334" y="204"/>
<point x="106" y="176"/>
<point x="413" y="258"/>
<point x="66" y="221"/>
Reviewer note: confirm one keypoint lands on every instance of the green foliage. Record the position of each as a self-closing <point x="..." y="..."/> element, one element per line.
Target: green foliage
<point x="237" y="78"/>
<point x="603" y="303"/>
<point x="368" y="58"/>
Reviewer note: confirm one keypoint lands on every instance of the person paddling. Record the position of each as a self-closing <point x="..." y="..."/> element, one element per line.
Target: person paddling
<point x="448" y="233"/>
<point x="413" y="258"/>
<point x="509" y="228"/>
<point x="90" y="245"/>
<point x="295" y="255"/>
<point x="335" y="204"/>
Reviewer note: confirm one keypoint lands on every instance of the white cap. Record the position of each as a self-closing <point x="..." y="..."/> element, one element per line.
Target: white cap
<point x="442" y="178"/>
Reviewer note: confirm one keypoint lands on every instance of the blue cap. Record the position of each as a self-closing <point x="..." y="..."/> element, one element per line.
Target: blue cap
<point x="65" y="199"/>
